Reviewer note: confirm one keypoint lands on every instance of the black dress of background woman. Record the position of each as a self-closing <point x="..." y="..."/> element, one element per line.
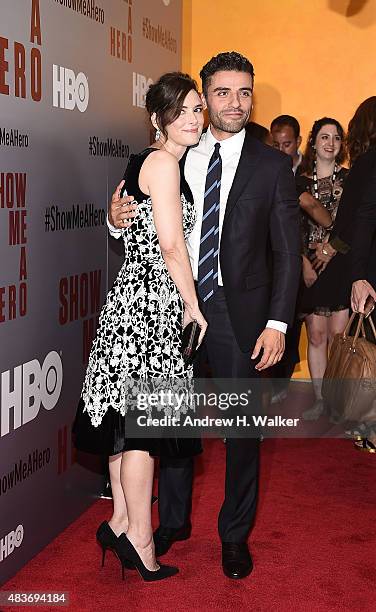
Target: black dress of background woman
<point x="329" y="293"/>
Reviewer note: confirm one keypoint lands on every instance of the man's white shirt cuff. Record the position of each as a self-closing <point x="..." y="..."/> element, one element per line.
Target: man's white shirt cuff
<point x="114" y="231"/>
<point x="278" y="325"/>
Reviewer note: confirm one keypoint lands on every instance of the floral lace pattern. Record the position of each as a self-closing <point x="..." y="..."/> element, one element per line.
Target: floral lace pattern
<point x="140" y="325"/>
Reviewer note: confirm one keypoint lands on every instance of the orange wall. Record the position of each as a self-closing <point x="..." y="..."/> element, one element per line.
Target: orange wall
<point x="311" y="57"/>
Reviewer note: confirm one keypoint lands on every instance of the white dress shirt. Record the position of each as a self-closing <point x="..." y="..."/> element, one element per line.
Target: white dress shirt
<point x="296" y="166"/>
<point x="195" y="170"/>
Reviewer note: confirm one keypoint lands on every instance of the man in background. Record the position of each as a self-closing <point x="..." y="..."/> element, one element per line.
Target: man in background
<point x="285" y="131"/>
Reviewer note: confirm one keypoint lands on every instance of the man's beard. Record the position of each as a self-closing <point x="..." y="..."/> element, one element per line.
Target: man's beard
<point x="232" y="126"/>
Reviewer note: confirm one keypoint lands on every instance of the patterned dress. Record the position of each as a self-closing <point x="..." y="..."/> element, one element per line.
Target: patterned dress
<point x="139" y="333"/>
<point x="328" y="293"/>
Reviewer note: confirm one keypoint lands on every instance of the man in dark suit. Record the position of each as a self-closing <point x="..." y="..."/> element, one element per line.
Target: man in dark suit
<point x="247" y="305"/>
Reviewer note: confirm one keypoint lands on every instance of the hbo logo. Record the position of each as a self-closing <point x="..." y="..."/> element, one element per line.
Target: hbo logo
<point x="11" y="541"/>
<point x="140" y="86"/>
<point x="69" y="90"/>
<point x="29" y="386"/>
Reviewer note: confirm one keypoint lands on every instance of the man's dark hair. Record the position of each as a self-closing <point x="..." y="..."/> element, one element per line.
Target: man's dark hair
<point x="258" y="131"/>
<point x="231" y="60"/>
<point x="282" y="120"/>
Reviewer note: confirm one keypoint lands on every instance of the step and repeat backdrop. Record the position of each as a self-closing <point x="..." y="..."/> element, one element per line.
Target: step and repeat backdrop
<point x="73" y="77"/>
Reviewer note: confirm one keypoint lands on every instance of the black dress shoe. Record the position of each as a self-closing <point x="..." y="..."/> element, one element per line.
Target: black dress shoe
<point x="164" y="537"/>
<point x="236" y="560"/>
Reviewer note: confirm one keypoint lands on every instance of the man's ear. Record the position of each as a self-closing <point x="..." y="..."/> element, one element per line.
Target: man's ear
<point x="298" y="141"/>
<point x="204" y="101"/>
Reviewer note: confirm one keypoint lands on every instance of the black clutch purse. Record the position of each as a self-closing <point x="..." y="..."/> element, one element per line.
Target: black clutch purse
<point x="191" y="334"/>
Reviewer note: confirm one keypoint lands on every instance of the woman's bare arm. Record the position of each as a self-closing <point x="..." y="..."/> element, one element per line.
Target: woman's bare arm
<point x="160" y="177"/>
<point x="315" y="209"/>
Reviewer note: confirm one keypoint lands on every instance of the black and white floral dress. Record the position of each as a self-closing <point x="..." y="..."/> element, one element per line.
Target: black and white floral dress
<point x="139" y="333"/>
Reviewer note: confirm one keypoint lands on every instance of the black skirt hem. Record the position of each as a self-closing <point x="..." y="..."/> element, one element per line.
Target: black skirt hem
<point x="110" y="438"/>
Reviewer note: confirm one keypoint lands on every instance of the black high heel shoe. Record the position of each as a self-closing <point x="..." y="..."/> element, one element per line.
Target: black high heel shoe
<point x="108" y="540"/>
<point x="127" y="552"/>
<point x="364" y="444"/>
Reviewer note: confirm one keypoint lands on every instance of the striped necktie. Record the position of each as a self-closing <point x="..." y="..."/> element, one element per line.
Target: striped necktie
<point x="209" y="242"/>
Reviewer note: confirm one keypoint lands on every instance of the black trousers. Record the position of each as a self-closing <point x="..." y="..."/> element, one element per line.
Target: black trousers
<point x="238" y="510"/>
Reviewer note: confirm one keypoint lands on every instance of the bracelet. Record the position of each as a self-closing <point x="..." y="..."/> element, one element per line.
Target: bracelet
<point x="329" y="228"/>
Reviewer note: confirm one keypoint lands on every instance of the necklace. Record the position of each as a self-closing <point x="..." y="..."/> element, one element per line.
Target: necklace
<point x="316" y="181"/>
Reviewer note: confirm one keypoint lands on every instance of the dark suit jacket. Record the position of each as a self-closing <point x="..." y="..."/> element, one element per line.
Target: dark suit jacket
<point x="261" y="218"/>
<point x="355" y="229"/>
<point x="363" y="252"/>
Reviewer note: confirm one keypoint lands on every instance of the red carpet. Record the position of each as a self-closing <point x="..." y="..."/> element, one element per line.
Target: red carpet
<point x="313" y="545"/>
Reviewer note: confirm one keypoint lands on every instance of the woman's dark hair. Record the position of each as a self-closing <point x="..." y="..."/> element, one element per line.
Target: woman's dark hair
<point x="257" y="131"/>
<point x="310" y="154"/>
<point x="166" y="97"/>
<point x="231" y="60"/>
<point x="362" y="129"/>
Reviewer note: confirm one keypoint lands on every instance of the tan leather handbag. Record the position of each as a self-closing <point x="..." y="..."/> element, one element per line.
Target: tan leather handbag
<point x="349" y="384"/>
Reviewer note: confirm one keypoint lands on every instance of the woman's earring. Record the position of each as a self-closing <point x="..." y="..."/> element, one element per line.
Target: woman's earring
<point x="157" y="134"/>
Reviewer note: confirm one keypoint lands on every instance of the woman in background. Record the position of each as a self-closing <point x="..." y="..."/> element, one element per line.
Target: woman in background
<point x="324" y="302"/>
<point x="353" y="238"/>
<point x="361" y="143"/>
